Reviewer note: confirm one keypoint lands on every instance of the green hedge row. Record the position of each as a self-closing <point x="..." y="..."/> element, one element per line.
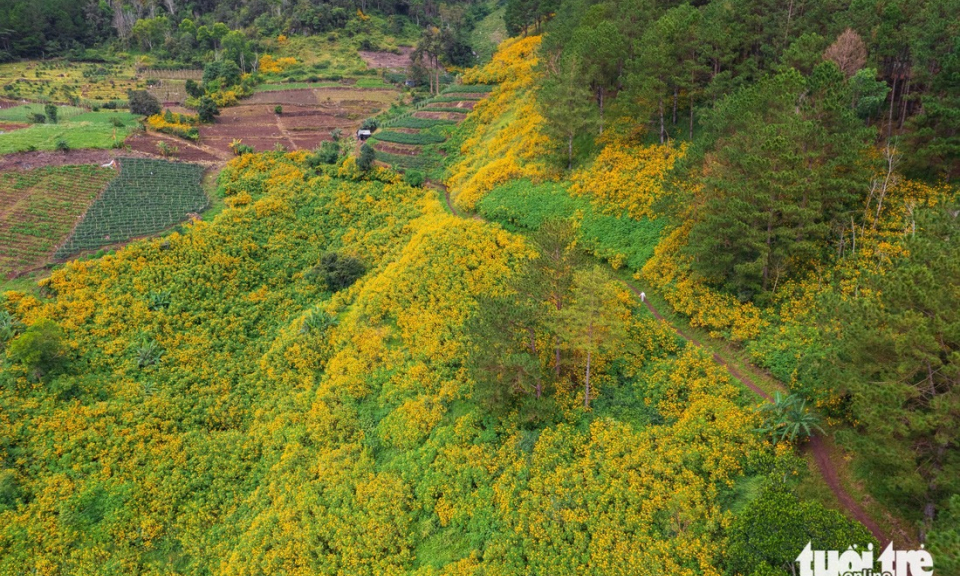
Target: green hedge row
<point x="420" y="139"/>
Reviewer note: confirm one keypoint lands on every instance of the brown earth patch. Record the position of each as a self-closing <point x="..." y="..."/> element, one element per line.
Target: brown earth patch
<point x="28" y="160"/>
<point x="465" y="104"/>
<point x="11" y="126"/>
<point x="147" y="144"/>
<point x="387" y="59"/>
<point x="394" y="148"/>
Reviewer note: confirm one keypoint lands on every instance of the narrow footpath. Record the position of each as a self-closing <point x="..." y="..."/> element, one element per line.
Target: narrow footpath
<point x="817" y="446"/>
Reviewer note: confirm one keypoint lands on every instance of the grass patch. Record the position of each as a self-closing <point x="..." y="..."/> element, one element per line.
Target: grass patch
<point x="523" y="204"/>
<point x="25" y="112"/>
<point x="147" y="197"/>
<point x="488" y="34"/>
<point x="76" y="134"/>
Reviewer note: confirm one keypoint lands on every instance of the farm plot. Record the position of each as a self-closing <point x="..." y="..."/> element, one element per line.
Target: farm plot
<point x="413" y="142"/>
<point x="307" y="119"/>
<point x="39" y="208"/>
<point x="75" y="129"/>
<point x="147" y="197"/>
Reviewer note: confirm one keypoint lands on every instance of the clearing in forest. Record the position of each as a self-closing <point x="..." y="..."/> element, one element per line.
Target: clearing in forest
<point x="39" y="208"/>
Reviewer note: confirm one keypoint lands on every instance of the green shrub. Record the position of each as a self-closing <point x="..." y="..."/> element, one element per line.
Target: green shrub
<point x="278" y="109"/>
<point x="367" y="156"/>
<point x="40" y="348"/>
<point x="414" y="178"/>
<point x="61" y="145"/>
<point x="51" y="111"/>
<point x="38" y="118"/>
<point x="143" y="103"/>
<point x="338" y="272"/>
<point x="207" y="111"/>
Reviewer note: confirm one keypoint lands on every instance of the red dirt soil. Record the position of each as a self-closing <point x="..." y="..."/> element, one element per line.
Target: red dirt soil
<point x="401" y="149"/>
<point x="387" y="59"/>
<point x="11" y="126"/>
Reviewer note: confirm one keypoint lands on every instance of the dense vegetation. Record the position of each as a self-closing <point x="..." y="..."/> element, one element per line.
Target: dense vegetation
<point x="312" y="372"/>
<point x="338" y="376"/>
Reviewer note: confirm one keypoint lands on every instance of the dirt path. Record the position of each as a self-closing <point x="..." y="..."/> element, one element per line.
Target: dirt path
<point x="197" y="145"/>
<point x="819" y="448"/>
<point x="286" y="133"/>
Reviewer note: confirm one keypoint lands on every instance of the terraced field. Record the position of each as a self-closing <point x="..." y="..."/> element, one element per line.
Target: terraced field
<point x="39" y="208"/>
<point x="414" y="141"/>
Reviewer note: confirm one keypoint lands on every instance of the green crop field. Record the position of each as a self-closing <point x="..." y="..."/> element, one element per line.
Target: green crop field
<point x="404" y="138"/>
<point x="38" y="209"/>
<point x="147" y="197"/>
<point x="80" y="130"/>
<point x="419" y="123"/>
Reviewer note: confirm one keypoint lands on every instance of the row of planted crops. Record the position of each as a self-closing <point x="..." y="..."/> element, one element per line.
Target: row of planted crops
<point x="147" y="197"/>
<point x="415" y="140"/>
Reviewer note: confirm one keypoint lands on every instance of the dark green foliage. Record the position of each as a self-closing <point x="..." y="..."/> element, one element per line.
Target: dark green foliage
<point x="61" y="145"/>
<point x="143" y="103"/>
<point x="40" y="348"/>
<point x="226" y="72"/>
<point x="278" y="109"/>
<point x="38" y="118"/>
<point x="785" y="175"/>
<point x="935" y="141"/>
<point x="9" y="327"/>
<point x="327" y="153"/>
<point x="770" y="532"/>
<point x="901" y="366"/>
<point x="51" y="111"/>
<point x="944" y="540"/>
<point x="414" y="178"/>
<point x="194" y="90"/>
<point x="207" y="111"/>
<point x="788" y="418"/>
<point x="338" y="272"/>
<point x="367" y="156"/>
<point x="370" y="124"/>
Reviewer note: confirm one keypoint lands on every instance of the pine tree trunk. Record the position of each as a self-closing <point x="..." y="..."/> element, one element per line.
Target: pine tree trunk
<point x="570" y="152"/>
<point x="676" y="91"/>
<point x="586" y="389"/>
<point x="662" y="130"/>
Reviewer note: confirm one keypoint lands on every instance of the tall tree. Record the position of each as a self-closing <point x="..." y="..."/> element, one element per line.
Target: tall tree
<point x="786" y="168"/>
<point x="564" y="102"/>
<point x="905" y="357"/>
<point x="591" y="322"/>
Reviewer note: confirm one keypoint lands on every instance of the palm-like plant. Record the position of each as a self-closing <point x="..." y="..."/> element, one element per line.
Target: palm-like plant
<point x="788" y="418"/>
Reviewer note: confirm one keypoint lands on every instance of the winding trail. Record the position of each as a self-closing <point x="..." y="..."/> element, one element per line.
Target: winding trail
<point x="817" y="446"/>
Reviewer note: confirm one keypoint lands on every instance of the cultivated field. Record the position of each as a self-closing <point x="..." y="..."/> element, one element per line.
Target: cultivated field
<point x="308" y="117"/>
<point x="412" y="142"/>
<point x="39" y="208"/>
<point x="148" y="196"/>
